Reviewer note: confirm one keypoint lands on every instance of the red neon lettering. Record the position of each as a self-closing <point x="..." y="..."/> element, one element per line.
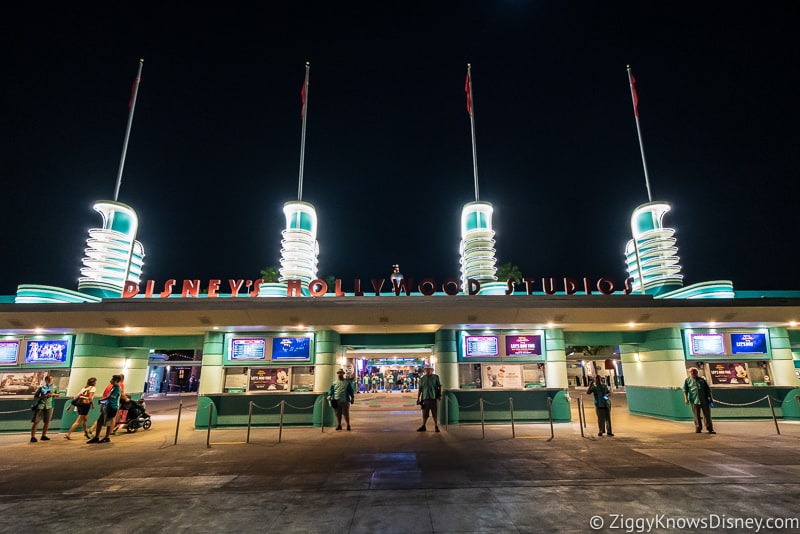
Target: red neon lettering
<point x="213" y="288"/>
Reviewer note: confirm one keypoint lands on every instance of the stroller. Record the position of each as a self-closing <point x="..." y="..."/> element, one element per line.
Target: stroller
<point x="133" y="416"/>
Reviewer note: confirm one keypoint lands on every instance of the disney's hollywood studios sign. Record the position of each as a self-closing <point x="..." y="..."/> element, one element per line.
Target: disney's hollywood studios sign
<point x="427" y="286"/>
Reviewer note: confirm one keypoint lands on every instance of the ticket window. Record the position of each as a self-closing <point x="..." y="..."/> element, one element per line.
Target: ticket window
<point x="733" y="373"/>
<point x="469" y="376"/>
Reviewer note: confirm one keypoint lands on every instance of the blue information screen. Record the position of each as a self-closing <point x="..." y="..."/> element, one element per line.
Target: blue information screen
<point x="46" y="351"/>
<point x="248" y="349"/>
<point x="748" y="343"/>
<point x="291" y="348"/>
<point x="8" y="352"/>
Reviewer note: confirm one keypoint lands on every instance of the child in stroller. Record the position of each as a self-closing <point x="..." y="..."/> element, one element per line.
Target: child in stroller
<point x="133" y="415"/>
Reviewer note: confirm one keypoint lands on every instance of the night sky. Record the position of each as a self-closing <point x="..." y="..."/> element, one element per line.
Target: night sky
<point x="215" y="144"/>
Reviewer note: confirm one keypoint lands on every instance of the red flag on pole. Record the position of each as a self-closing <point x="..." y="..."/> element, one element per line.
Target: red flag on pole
<point x="133" y="91"/>
<point x="469" y="99"/>
<point x="635" y="96"/>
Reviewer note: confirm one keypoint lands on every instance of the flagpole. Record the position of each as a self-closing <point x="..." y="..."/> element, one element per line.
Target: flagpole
<point x="472" y="127"/>
<point x="634" y="99"/>
<point x="128" y="129"/>
<point x="303" y="134"/>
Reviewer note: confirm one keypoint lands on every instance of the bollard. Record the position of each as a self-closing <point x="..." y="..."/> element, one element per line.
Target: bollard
<point x="178" y="424"/>
<point x="322" y="411"/>
<point x="580" y="417"/>
<point x="447" y="411"/>
<point x="511" y="410"/>
<point x="249" y="421"/>
<point x="550" y="414"/>
<point x="483" y="427"/>
<point x="583" y="412"/>
<point x="210" y="416"/>
<point x="777" y="428"/>
<point x="280" y="424"/>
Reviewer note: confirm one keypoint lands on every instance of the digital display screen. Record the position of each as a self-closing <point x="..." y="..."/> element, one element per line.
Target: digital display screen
<point x="248" y="348"/>
<point x="46" y="351"/>
<point x="480" y="346"/>
<point x="703" y="344"/>
<point x="524" y="345"/>
<point x="748" y="343"/>
<point x="8" y="352"/>
<point x="291" y="348"/>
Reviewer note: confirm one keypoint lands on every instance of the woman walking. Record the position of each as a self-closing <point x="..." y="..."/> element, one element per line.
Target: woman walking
<point x="85" y="401"/>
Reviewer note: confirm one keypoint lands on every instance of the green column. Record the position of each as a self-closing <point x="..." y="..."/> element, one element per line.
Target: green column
<point x="326" y="349"/>
<point x="213" y="372"/>
<point x="447" y="358"/>
<point x="656" y="362"/>
<point x="782" y="363"/>
<point x="555" y="359"/>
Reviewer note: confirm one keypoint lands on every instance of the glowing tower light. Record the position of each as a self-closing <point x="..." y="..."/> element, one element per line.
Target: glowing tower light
<point x="477" y="243"/>
<point x="652" y="255"/>
<point x="299" y="246"/>
<point x="113" y="256"/>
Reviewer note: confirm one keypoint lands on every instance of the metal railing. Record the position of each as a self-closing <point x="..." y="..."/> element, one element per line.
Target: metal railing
<point x="481" y="402"/>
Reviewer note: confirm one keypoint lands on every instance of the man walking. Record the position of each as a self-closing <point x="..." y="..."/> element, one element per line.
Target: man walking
<point x="697" y="392"/>
<point x="428" y="396"/>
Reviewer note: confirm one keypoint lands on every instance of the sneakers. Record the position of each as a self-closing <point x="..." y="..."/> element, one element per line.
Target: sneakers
<point x="711" y="432"/>
<point x="600" y="434"/>
<point x="44" y="438"/>
<point x="93" y="440"/>
<point x="610" y="434"/>
<point x="348" y="428"/>
<point x="421" y="429"/>
<point x="698" y="430"/>
<point x="34" y="440"/>
<point x="105" y="440"/>
<point x="339" y="427"/>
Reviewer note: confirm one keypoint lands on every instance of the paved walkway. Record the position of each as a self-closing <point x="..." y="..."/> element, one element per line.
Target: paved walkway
<point x="386" y="477"/>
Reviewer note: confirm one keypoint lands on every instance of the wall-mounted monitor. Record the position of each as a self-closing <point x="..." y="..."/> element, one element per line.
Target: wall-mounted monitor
<point x="46" y="351"/>
<point x="706" y="344"/>
<point x="524" y="345"/>
<point x="246" y="349"/>
<point x="291" y="348"/>
<point x="748" y="343"/>
<point x="486" y="346"/>
<point x="9" y="348"/>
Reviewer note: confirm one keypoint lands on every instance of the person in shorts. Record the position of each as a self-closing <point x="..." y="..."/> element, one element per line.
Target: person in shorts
<point x="343" y="393"/>
<point x="108" y="417"/>
<point x="428" y="397"/>
<point x="44" y="408"/>
<point x="85" y="402"/>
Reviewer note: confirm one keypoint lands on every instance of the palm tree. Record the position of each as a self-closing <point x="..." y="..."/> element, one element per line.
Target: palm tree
<point x="509" y="270"/>
<point x="270" y="274"/>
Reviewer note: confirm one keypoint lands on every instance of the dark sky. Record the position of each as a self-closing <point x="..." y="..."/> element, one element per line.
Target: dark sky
<point x="214" y="150"/>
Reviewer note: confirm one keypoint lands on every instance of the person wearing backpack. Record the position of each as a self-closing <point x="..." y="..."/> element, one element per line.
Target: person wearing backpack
<point x="697" y="392"/>
<point x="83" y="403"/>
<point x="43" y="408"/>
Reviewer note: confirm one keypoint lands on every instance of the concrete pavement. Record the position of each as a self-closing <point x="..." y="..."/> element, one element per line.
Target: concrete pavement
<point x="653" y="476"/>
